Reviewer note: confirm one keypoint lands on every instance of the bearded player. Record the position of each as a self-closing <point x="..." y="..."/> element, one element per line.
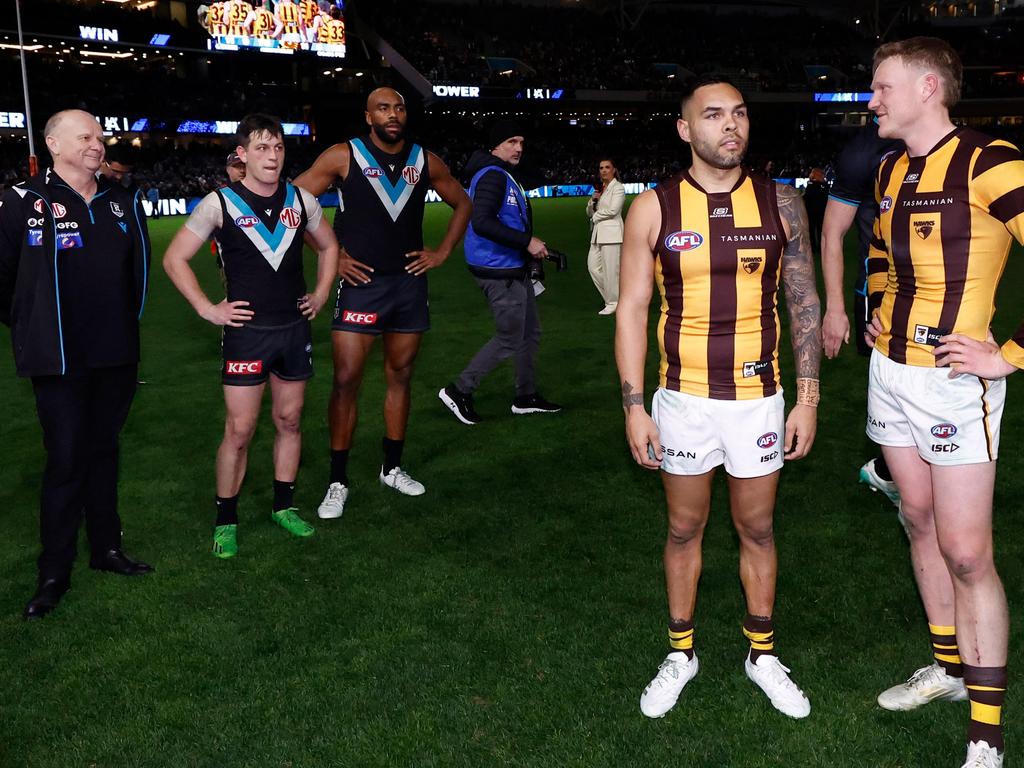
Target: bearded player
<point x="717" y="241"/>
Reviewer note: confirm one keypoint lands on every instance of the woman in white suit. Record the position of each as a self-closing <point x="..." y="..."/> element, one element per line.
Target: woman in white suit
<point x="605" y="213"/>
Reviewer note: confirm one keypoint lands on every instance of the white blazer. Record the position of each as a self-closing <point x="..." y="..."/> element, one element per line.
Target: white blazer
<point x="606" y="216"/>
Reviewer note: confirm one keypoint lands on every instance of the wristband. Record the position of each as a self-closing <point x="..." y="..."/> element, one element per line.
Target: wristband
<point x="807" y="392"/>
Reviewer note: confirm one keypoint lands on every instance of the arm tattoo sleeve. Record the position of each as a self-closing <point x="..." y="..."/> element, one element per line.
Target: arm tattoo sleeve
<point x="798" y="283"/>
<point x="629" y="397"/>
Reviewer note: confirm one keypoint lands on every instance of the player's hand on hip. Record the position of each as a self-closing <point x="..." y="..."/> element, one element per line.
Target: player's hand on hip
<point x="311" y="304"/>
<point x="231" y="313"/>
<point x="874" y="330"/>
<point x="537" y="248"/>
<point x="642" y="436"/>
<point x="423" y="260"/>
<point x="966" y="355"/>
<point x="801" y="426"/>
<point x="351" y="270"/>
<point x="835" y="331"/>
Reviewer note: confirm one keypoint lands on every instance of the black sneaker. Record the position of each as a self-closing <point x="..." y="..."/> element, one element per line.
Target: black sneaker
<point x="459" y="403"/>
<point x="533" y="404"/>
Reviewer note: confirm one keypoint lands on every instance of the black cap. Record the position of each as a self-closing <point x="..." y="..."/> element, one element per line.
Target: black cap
<point x="503" y="130"/>
<point x="234" y="159"/>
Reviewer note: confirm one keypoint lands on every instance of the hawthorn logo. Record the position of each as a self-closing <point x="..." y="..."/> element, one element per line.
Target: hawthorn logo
<point x="359" y="318"/>
<point x="924" y="228"/>
<point x="242" y="367"/>
<point x="750" y="264"/>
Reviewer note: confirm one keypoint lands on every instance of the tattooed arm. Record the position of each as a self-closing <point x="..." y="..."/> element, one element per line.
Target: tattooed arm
<point x="636" y="277"/>
<point x="804" y="321"/>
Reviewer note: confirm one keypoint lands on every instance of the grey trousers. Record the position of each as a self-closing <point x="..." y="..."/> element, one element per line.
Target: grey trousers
<point x="517" y="334"/>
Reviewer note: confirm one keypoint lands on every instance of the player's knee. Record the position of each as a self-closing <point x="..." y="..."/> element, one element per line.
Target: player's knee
<point x="757" y="534"/>
<point x="399" y="376"/>
<point x="238" y="432"/>
<point x="346" y="380"/>
<point x="287" y="422"/>
<point x="684" y="532"/>
<point x="967" y="564"/>
<point x="918" y="518"/>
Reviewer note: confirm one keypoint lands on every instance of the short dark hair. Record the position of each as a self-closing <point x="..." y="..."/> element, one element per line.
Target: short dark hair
<point x="928" y="53"/>
<point x="254" y="125"/>
<point x="711" y="78"/>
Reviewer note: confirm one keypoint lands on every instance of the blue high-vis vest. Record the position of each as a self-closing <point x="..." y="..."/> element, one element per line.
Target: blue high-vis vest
<point x="481" y="252"/>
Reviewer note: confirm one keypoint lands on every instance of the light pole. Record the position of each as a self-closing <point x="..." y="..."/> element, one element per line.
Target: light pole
<point x="33" y="161"/>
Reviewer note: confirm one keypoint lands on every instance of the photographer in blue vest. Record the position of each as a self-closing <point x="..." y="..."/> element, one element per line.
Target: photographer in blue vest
<point x="500" y="248"/>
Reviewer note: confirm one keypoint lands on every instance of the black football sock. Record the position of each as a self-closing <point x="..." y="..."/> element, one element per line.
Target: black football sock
<point x="339" y="466"/>
<point x="227" y="510"/>
<point x="392" y="454"/>
<point x="284" y="494"/>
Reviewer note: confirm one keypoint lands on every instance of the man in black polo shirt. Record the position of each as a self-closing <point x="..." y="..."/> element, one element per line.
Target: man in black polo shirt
<point x="259" y="224"/>
<point x="74" y="260"/>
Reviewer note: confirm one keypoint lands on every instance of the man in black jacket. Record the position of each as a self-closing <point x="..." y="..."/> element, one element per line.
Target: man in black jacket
<point x="500" y="247"/>
<point x="74" y="260"/>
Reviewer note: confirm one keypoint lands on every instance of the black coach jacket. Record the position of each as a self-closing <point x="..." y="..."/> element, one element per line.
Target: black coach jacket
<point x="30" y="289"/>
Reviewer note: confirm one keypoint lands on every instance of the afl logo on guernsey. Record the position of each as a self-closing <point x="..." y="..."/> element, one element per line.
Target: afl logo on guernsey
<point x="373" y="173"/>
<point x="684" y="241"/>
<point x="411" y="174"/>
<point x="885" y="204"/>
<point x="767" y="440"/>
<point x="944" y="431"/>
<point x="247" y="221"/>
<point x="291" y="218"/>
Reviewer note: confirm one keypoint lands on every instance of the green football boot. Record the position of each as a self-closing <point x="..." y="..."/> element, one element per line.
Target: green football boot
<point x="225" y="541"/>
<point x="289" y="520"/>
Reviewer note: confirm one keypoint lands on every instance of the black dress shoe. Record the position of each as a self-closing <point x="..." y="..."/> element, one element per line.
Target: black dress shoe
<point x="116" y="561"/>
<point x="47" y="596"/>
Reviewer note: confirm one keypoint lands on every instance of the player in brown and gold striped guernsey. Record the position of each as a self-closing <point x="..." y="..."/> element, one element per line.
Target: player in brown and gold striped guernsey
<point x="949" y="209"/>
<point x="718" y="241"/>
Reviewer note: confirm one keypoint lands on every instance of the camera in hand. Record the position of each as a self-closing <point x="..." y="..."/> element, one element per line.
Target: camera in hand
<point x="537" y="265"/>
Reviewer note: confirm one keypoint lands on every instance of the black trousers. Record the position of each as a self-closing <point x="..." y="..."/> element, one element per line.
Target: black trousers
<point x="82" y="416"/>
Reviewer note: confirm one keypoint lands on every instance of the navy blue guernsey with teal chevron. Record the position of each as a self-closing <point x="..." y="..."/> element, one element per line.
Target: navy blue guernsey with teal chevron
<point x="261" y="243"/>
<point x="380" y="208"/>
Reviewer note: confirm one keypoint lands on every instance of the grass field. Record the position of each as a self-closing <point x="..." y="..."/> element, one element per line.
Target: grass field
<point x="509" y="617"/>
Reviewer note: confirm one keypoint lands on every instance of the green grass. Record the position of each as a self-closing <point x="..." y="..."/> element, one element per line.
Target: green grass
<point x="511" y="616"/>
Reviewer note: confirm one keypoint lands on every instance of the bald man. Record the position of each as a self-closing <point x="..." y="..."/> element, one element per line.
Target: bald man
<point x="74" y="261"/>
<point x="382" y="182"/>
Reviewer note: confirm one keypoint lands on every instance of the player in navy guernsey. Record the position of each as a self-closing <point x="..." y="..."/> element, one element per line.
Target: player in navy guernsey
<point x="260" y="222"/>
<point x="382" y="181"/>
<point x="852" y="199"/>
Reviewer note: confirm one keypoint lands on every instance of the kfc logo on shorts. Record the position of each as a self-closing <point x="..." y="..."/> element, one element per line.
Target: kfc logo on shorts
<point x="411" y="174"/>
<point x="291" y="218"/>
<point x="885" y="204"/>
<point x="38" y="205"/>
<point x="768" y="439"/>
<point x="373" y="173"/>
<point x="243" y="367"/>
<point x="684" y="241"/>
<point x="359" y="318"/>
<point x="247" y="221"/>
<point x="944" y="431"/>
<point x="59" y="211"/>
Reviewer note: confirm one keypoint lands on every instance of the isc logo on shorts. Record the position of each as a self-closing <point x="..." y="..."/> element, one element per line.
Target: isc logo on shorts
<point x="767" y="440"/>
<point x="242" y="367"/>
<point x="359" y="318"/>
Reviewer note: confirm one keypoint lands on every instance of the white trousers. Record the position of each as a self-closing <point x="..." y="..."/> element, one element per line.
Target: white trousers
<point x="603" y="263"/>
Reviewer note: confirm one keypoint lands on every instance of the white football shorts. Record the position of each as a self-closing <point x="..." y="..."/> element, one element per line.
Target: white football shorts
<point x="698" y="433"/>
<point x="949" y="421"/>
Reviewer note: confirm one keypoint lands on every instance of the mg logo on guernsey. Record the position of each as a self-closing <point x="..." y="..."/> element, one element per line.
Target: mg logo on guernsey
<point x="247" y="221"/>
<point x="291" y="218"/>
<point x="944" y="431"/>
<point x="359" y="318"/>
<point x="59" y="211"/>
<point x="411" y="174"/>
<point x="684" y="241"/>
<point x="768" y="439"/>
<point x="373" y="173"/>
<point x="242" y="367"/>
